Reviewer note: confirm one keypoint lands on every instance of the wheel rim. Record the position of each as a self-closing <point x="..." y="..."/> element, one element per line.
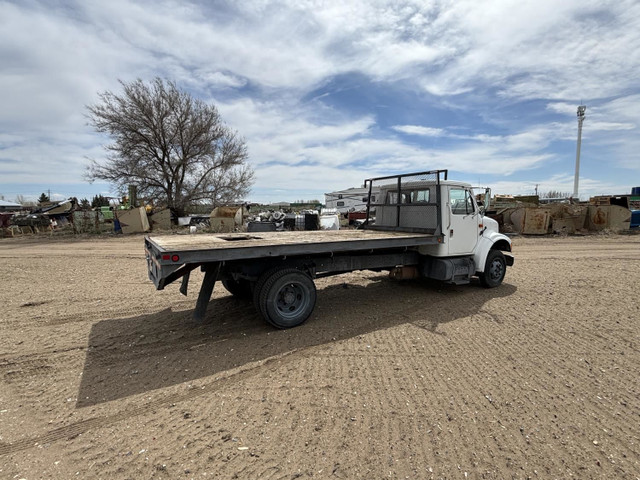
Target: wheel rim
<point x="291" y="300"/>
<point x="496" y="270"/>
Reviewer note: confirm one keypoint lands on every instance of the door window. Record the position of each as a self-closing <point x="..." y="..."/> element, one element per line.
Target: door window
<point x="461" y="201"/>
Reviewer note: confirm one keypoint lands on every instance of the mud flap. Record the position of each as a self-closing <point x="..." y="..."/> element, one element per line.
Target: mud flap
<point x="185" y="284"/>
<point x="508" y="258"/>
<point x="210" y="278"/>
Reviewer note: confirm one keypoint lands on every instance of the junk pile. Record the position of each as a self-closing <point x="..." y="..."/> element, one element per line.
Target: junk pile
<point x="226" y="219"/>
<point x="134" y="220"/>
<point x="276" y="220"/>
<point x="272" y="221"/>
<point x="330" y="219"/>
<point x="602" y="213"/>
<point x="221" y="220"/>
<point x="160" y="219"/>
<point x="46" y="217"/>
<point x="66" y="216"/>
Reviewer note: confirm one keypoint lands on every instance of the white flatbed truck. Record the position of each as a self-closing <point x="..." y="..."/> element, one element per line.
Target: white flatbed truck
<point x="425" y="226"/>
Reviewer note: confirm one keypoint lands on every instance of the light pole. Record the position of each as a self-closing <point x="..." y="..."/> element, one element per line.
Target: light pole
<point x="581" y="110"/>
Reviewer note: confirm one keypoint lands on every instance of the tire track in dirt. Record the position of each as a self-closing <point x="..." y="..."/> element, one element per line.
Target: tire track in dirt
<point x="112" y="314"/>
<point x="23" y="368"/>
<point x="83" y="426"/>
<point x="436" y="403"/>
<point x="9" y="360"/>
<point x="179" y="336"/>
<point x="481" y="347"/>
<point x="467" y="384"/>
<point x="330" y="413"/>
<point x="263" y="413"/>
<point x="595" y="346"/>
<point x="400" y="388"/>
<point x="580" y="367"/>
<point x="590" y="410"/>
<point x="381" y="374"/>
<point x="76" y="428"/>
<point x="454" y="391"/>
<point x="472" y="383"/>
<point x="583" y="405"/>
<point x="509" y="438"/>
<point x="555" y="343"/>
<point x="438" y="388"/>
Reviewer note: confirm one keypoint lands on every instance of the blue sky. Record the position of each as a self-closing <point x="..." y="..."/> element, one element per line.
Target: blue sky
<point x="329" y="93"/>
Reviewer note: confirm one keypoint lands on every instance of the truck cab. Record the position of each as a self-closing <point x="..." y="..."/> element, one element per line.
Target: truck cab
<point x="470" y="243"/>
<point x="463" y="220"/>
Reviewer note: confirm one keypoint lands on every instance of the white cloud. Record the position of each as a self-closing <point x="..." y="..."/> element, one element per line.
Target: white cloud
<point x="545" y="49"/>
<point x="282" y="132"/>
<point x="609" y="126"/>
<point x="219" y="79"/>
<point x="418" y="130"/>
<point x="290" y="149"/>
<point x="534" y="139"/>
<point x="563" y="108"/>
<point x="600" y="117"/>
<point x="56" y="57"/>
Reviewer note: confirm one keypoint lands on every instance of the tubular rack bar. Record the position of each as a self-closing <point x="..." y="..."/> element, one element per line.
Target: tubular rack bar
<point x="399" y="178"/>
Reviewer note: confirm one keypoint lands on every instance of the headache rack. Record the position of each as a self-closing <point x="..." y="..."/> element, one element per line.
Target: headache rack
<point x="406" y="203"/>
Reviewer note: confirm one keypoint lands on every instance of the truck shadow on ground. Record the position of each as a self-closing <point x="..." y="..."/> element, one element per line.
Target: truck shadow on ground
<point x="130" y="356"/>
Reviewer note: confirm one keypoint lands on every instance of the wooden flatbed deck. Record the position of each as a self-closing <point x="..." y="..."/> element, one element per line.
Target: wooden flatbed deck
<point x="231" y="246"/>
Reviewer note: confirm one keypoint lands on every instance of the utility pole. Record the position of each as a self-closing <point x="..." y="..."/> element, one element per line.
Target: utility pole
<point x="581" y="110"/>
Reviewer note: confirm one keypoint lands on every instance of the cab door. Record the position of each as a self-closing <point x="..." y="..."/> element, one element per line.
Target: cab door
<point x="464" y="218"/>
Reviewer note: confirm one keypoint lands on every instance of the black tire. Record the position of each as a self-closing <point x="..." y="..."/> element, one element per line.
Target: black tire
<point x="239" y="288"/>
<point x="286" y="298"/>
<point x="257" y="288"/>
<point x="494" y="269"/>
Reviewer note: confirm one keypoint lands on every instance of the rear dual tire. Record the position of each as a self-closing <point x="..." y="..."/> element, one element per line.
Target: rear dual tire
<point x="239" y="288"/>
<point x="285" y="297"/>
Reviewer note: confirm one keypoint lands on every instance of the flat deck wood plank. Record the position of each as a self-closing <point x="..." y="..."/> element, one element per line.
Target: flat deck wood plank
<point x="186" y="242"/>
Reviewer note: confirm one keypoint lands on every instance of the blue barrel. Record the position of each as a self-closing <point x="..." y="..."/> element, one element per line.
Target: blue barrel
<point x="635" y="219"/>
<point x="635" y="191"/>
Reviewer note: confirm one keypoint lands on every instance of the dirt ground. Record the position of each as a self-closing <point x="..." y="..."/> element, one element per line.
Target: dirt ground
<point x="102" y="376"/>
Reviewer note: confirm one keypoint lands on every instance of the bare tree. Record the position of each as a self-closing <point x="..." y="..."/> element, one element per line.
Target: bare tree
<point x="174" y="147"/>
<point x="555" y="194"/>
<point x="24" y="202"/>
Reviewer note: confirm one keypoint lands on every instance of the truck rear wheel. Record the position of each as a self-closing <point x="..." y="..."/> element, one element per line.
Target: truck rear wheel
<point x="494" y="269"/>
<point x="257" y="288"/>
<point x="238" y="288"/>
<point x="286" y="298"/>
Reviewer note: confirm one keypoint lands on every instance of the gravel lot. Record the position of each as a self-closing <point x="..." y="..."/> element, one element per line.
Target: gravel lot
<point x="104" y="377"/>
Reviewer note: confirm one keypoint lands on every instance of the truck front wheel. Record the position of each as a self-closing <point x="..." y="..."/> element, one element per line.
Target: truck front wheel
<point x="286" y="298"/>
<point x="494" y="269"/>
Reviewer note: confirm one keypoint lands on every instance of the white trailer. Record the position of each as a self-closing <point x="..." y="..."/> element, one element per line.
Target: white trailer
<point x="350" y="200"/>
